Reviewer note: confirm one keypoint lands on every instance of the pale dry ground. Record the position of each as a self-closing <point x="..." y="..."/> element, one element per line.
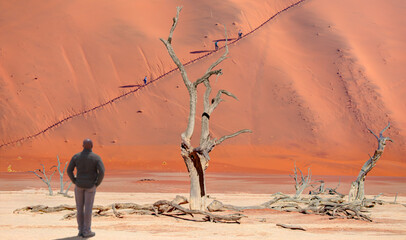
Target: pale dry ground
<point x="389" y="220"/>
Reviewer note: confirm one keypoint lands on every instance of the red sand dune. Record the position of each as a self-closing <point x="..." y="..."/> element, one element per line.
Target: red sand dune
<point x="309" y="83"/>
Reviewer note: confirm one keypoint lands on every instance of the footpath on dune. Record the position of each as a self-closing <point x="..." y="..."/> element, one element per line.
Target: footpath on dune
<point x="139" y="87"/>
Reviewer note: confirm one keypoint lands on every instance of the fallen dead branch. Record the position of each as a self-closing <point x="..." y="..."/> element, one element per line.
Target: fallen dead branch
<point x="293" y="227"/>
<point x="45" y="209"/>
<point x="165" y="207"/>
<point x="335" y="207"/>
<point x="161" y="207"/>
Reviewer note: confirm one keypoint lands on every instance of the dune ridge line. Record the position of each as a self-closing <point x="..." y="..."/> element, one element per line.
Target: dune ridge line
<point x="151" y="81"/>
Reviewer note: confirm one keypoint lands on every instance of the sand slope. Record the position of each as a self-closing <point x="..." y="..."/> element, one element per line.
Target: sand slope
<point x="309" y="82"/>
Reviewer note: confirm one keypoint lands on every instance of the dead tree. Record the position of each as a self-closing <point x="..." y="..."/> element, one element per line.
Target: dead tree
<point x="357" y="187"/>
<point x="45" y="179"/>
<point x="61" y="173"/>
<point x="302" y="183"/>
<point x="197" y="159"/>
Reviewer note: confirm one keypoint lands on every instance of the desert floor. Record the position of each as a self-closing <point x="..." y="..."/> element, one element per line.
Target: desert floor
<point x="19" y="190"/>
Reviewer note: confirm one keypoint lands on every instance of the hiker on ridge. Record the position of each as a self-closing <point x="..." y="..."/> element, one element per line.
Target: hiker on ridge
<point x="239" y="34"/>
<point x="216" y="45"/>
<point x="145" y="80"/>
<point x="89" y="175"/>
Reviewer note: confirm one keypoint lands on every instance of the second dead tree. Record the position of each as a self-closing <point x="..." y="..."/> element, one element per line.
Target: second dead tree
<point x="61" y="173"/>
<point x="197" y="159"/>
<point x="357" y="187"/>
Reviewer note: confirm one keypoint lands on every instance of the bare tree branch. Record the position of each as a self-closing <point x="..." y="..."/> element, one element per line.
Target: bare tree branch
<point x="43" y="172"/>
<point x="217" y="100"/>
<point x="210" y="70"/>
<point x="226" y="93"/>
<point x="373" y="133"/>
<point x="205" y="133"/>
<point x="223" y="138"/>
<point x="52" y="175"/>
<point x="38" y="176"/>
<point x="171" y="52"/>
<point x="223" y="57"/>
<point x="189" y="85"/>
<point x="175" y="22"/>
<point x="383" y="130"/>
<point x="206" y="76"/>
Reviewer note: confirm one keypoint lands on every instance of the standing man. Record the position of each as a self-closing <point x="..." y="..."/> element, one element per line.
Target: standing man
<point x="216" y="45"/>
<point x="89" y="175"/>
<point x="145" y="80"/>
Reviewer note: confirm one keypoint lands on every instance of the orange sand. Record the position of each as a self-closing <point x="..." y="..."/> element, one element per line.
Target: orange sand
<point x="309" y="83"/>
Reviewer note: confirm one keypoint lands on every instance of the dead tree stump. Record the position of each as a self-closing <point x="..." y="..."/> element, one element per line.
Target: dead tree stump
<point x="357" y="187"/>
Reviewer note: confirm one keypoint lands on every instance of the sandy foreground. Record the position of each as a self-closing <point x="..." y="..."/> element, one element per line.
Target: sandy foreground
<point x="389" y="220"/>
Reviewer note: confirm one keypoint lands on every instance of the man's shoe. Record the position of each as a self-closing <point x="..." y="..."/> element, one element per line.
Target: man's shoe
<point x="80" y="234"/>
<point x="89" y="234"/>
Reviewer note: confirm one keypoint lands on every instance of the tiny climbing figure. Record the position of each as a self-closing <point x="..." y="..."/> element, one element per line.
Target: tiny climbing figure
<point x="216" y="45"/>
<point x="239" y="34"/>
<point x="145" y="80"/>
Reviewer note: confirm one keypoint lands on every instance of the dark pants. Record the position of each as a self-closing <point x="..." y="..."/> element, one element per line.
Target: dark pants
<point x="84" y="203"/>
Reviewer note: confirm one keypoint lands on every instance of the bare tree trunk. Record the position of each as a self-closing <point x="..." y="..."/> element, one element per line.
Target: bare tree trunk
<point x="197" y="159"/>
<point x="61" y="174"/>
<point x="197" y="189"/>
<point x="357" y="187"/>
<point x="62" y="184"/>
<point x="197" y="181"/>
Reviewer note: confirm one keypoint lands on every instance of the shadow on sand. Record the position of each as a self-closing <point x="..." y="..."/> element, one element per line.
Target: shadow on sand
<point x="223" y="39"/>
<point x="70" y="238"/>
<point x="129" y="86"/>
<point x="203" y="51"/>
